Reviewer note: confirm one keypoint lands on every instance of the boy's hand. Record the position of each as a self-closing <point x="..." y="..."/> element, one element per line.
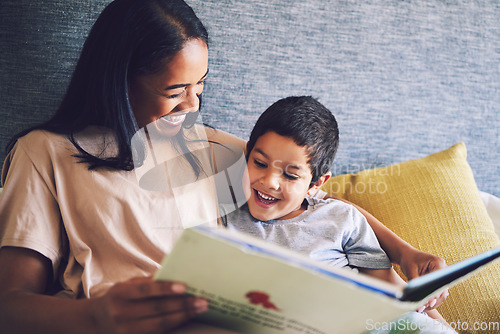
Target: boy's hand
<point x="434" y="302"/>
<point x="141" y="305"/>
<point x="415" y="263"/>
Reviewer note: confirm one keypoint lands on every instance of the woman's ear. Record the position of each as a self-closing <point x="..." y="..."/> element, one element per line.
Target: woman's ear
<point x="318" y="184"/>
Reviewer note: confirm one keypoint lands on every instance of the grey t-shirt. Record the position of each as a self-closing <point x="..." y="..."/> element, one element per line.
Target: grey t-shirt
<point x="329" y="230"/>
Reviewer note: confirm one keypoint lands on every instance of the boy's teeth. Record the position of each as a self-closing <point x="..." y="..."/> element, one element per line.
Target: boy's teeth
<point x="266" y="197"/>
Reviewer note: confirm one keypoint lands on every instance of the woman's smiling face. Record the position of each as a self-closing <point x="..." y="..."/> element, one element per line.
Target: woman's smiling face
<point x="279" y="176"/>
<point x="167" y="96"/>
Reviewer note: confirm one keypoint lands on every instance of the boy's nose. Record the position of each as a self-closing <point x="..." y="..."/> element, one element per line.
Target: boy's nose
<point x="271" y="181"/>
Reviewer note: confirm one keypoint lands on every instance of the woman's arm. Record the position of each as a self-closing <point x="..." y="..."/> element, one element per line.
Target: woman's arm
<point x="138" y="305"/>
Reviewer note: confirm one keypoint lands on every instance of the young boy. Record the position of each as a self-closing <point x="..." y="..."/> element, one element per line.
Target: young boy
<point x="289" y="155"/>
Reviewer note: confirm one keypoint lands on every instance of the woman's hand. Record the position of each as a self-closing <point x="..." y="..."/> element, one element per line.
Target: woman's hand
<point x="415" y="263"/>
<point x="141" y="305"/>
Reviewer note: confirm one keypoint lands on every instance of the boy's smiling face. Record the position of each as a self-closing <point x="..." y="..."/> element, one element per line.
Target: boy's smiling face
<point x="279" y="177"/>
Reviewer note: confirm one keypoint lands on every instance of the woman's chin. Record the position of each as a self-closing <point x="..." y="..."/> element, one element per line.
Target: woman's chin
<point x="166" y="128"/>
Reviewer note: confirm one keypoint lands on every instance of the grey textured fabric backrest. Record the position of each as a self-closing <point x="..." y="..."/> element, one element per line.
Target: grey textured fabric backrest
<point x="404" y="78"/>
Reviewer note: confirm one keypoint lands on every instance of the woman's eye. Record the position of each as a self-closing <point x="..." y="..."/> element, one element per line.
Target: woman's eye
<point x="259" y="164"/>
<point x="173" y="96"/>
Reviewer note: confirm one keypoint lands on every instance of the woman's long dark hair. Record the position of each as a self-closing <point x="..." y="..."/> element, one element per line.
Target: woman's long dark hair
<point x="130" y="38"/>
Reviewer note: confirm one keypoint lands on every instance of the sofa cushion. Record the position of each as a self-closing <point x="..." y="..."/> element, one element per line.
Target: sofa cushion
<point x="434" y="204"/>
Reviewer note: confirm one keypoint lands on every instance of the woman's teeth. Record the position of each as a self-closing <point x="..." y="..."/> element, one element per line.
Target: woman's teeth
<point x="174" y="119"/>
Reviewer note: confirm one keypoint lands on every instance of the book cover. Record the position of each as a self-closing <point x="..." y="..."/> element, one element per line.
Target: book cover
<point x="257" y="287"/>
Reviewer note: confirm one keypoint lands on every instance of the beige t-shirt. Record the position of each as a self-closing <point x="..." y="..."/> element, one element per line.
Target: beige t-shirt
<point x="99" y="227"/>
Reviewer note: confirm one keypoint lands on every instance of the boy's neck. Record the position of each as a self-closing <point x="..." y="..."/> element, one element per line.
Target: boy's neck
<point x="298" y="212"/>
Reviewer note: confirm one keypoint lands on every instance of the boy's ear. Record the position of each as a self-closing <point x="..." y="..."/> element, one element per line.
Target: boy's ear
<point x="318" y="184"/>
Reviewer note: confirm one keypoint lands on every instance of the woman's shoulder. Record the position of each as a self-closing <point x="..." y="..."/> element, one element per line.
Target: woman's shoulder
<point x="44" y="144"/>
<point x="47" y="151"/>
<point x="40" y="137"/>
<point x="224" y="138"/>
<point x="34" y="148"/>
<point x="39" y="141"/>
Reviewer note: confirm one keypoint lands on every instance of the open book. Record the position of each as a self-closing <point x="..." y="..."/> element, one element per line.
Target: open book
<point x="257" y="287"/>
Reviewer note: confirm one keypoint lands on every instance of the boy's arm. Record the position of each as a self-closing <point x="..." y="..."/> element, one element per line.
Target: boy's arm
<point x="389" y="275"/>
<point x="413" y="262"/>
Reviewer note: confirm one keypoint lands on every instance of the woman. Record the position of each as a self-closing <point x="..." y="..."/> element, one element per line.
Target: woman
<point x="80" y="236"/>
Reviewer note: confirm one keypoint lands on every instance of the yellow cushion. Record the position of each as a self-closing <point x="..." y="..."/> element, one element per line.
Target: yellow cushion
<point x="434" y="204"/>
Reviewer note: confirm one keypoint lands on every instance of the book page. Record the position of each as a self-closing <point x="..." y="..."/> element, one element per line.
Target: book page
<point x="256" y="291"/>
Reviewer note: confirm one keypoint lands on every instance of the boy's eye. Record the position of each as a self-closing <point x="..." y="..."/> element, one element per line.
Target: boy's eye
<point x="259" y="164"/>
<point x="291" y="176"/>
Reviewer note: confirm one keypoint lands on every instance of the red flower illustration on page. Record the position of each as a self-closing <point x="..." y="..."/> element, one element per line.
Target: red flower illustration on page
<point x="261" y="298"/>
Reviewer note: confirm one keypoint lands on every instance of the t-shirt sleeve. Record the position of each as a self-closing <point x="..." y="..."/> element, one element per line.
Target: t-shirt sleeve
<point x="361" y="246"/>
<point x="29" y="213"/>
<point x="319" y="194"/>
